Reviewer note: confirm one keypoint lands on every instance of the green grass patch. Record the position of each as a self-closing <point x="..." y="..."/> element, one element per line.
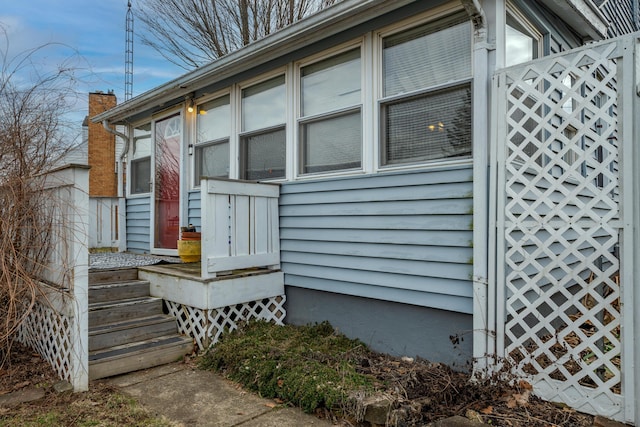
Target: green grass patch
<point x="307" y="366"/>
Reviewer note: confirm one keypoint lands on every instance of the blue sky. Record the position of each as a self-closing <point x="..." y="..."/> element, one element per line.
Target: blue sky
<point x="93" y="28"/>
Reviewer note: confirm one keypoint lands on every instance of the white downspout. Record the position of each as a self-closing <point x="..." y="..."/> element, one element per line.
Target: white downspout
<point x="480" y="120"/>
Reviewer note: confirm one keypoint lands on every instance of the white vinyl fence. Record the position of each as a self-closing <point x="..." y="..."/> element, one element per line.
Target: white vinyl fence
<point x="106" y="217"/>
<point x="58" y="326"/>
<point x="565" y="162"/>
<point x="240" y="226"/>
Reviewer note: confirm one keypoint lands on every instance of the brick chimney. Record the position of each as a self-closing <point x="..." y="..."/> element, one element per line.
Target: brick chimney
<point x="103" y="180"/>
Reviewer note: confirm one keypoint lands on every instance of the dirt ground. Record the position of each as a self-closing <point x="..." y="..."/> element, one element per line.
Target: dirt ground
<point x="102" y="405"/>
<point x="430" y="391"/>
<point x="425" y="392"/>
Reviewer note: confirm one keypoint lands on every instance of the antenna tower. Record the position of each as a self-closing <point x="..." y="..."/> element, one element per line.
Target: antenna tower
<point x="128" y="53"/>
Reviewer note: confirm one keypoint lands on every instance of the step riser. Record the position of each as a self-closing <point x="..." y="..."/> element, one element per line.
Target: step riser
<point x="134" y="362"/>
<point x="132" y="334"/>
<point x="127" y="330"/>
<point x="111" y="276"/>
<point x="118" y="291"/>
<point x="124" y="312"/>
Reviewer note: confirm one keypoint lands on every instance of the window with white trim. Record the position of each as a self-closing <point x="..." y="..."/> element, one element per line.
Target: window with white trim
<point x="425" y="109"/>
<point x="330" y="124"/>
<point x="522" y="41"/>
<point x="213" y="127"/>
<point x="262" y="137"/>
<point x="141" y="160"/>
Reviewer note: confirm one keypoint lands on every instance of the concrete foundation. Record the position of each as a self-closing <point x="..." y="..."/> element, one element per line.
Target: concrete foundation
<point x="392" y="328"/>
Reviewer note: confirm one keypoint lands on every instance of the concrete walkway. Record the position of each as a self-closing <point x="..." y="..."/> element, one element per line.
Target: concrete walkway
<point x="192" y="397"/>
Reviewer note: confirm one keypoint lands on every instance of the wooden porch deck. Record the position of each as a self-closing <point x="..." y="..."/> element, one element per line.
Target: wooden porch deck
<point x="192" y="271"/>
<point x="204" y="307"/>
<point x="183" y="284"/>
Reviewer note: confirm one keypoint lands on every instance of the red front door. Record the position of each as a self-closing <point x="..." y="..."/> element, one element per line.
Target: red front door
<point x="167" y="182"/>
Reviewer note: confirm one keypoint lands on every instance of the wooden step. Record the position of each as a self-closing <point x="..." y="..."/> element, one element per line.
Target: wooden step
<point x="102" y="313"/>
<point x="104" y="292"/>
<point x="138" y="355"/>
<point x="128" y="331"/>
<point x="113" y="275"/>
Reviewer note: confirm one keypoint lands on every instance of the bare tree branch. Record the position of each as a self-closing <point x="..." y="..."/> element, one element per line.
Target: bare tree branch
<point x="32" y="137"/>
<point x="190" y="33"/>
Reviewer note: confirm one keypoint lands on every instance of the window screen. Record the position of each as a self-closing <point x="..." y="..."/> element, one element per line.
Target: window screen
<point x="332" y="144"/>
<point x="264" y="155"/>
<point x="433" y="126"/>
<point x="426" y="106"/>
<point x="212" y="160"/>
<point x="263" y="141"/>
<point x="331" y="138"/>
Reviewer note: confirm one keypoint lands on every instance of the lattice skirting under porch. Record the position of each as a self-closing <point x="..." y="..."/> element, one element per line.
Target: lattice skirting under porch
<point x="206" y="326"/>
<point x="50" y="334"/>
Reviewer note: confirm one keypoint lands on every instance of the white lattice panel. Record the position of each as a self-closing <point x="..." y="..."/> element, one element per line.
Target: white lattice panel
<point x="559" y="291"/>
<point x="49" y="333"/>
<point x="206" y="326"/>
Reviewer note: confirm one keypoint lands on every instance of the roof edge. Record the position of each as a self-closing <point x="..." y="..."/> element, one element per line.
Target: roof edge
<point x="583" y="15"/>
<point x="314" y="28"/>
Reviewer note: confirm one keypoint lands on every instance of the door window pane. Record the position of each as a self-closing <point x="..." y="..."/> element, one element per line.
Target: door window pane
<point x="167" y="181"/>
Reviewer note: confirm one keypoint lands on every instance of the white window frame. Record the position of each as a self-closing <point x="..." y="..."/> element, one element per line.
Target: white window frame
<point x="359" y="43"/>
<point x="131" y="159"/>
<point x="512" y="13"/>
<point x="429" y="17"/>
<point x="181" y="111"/>
<point x="193" y="129"/>
<point x="235" y="150"/>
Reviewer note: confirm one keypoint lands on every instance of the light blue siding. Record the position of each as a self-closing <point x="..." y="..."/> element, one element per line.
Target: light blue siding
<point x="138" y="224"/>
<point x="193" y="209"/>
<point x="623" y="16"/>
<point x="401" y="237"/>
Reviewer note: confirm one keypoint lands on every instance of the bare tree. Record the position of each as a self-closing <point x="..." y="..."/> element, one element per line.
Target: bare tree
<point x="32" y="136"/>
<point x="190" y="33"/>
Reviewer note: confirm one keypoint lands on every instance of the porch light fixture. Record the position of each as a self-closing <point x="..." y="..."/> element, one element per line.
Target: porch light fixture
<point x="191" y="104"/>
